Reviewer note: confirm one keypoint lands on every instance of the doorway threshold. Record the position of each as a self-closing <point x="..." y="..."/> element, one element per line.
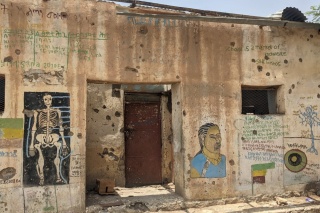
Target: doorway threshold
<point x="144" y="198"/>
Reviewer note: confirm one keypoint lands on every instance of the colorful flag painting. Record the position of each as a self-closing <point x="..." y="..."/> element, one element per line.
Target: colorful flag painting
<point x="259" y="171"/>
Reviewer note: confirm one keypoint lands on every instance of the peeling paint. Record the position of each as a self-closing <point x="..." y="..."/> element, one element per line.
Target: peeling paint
<point x="79" y="135"/>
<point x="131" y="69"/>
<point x="35" y="76"/>
<point x="117" y="114"/>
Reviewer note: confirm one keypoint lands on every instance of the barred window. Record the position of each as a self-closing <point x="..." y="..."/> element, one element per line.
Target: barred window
<point x="259" y="101"/>
<point x="2" y="93"/>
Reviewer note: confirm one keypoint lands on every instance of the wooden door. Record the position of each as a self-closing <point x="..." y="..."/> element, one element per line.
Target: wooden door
<point x="142" y="143"/>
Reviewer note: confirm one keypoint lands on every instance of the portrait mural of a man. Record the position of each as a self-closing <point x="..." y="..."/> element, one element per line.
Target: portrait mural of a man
<point x="46" y="138"/>
<point x="209" y="162"/>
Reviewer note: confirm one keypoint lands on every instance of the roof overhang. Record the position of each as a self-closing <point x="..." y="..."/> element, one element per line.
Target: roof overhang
<point x="136" y="12"/>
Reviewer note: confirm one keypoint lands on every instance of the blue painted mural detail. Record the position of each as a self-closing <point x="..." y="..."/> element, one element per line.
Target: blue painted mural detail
<point x="310" y="118"/>
<point x="46" y="138"/>
<point x="209" y="162"/>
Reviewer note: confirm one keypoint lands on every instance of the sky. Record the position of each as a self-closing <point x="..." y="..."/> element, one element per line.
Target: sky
<point x="263" y="8"/>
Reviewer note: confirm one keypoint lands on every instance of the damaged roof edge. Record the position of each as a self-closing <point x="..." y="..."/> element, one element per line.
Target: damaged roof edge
<point x="260" y="22"/>
<point x="185" y="9"/>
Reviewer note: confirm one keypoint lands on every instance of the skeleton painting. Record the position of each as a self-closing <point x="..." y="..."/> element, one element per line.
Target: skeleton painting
<point x="46" y="138"/>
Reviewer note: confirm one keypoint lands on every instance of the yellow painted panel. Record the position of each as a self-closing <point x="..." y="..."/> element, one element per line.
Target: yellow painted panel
<point x="259" y="173"/>
<point x="12" y="133"/>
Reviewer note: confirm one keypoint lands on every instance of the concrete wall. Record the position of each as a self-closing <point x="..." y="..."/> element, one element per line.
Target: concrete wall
<point x="105" y="139"/>
<point x="54" y="47"/>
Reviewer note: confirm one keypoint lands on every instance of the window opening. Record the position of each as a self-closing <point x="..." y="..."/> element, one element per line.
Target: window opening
<point x="259" y="101"/>
<point x="2" y="93"/>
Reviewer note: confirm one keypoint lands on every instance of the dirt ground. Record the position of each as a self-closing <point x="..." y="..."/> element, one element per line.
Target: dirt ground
<point x="161" y="198"/>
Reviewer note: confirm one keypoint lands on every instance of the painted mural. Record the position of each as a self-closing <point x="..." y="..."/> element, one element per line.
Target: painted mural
<point x="261" y="152"/>
<point x="301" y="156"/>
<point x="11" y="128"/>
<point x="209" y="162"/>
<point x="46" y="138"/>
<point x="295" y="160"/>
<point x="259" y="171"/>
<point x="11" y="134"/>
<point x="310" y="118"/>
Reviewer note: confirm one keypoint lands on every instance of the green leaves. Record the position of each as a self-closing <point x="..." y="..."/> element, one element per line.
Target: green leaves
<point x="315" y="12"/>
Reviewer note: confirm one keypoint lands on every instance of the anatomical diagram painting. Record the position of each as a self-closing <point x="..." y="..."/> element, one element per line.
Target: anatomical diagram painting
<point x="46" y="143"/>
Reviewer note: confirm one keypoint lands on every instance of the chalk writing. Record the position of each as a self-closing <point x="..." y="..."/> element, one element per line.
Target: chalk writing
<point x="264" y="61"/>
<point x="32" y="12"/>
<point x="276" y="54"/>
<point x="309" y="97"/>
<point x="297" y="146"/>
<point x="261" y="147"/>
<point x="265" y="156"/>
<point x="257" y="48"/>
<point x="3" y="8"/>
<point x="271" y="50"/>
<point x="44" y="43"/>
<point x="77" y="165"/>
<point x="9" y="154"/>
<point x="20" y="64"/>
<point x="262" y="129"/>
<point x="309" y="171"/>
<point x="260" y="139"/>
<point x="39" y="12"/>
<point x="238" y="49"/>
<point x="314" y="165"/>
<point x="10" y="181"/>
<point x="17" y="39"/>
<point x="56" y="15"/>
<point x="157" y="21"/>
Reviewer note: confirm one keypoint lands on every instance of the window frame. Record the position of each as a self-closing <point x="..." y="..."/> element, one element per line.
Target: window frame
<point x="278" y="98"/>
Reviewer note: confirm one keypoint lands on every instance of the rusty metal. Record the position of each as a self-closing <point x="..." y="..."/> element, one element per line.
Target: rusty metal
<point x="260" y="22"/>
<point x="186" y="9"/>
<point x="142" y="143"/>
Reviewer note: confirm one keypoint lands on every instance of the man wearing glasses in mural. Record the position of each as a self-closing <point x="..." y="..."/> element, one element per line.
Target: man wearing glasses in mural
<point x="208" y="162"/>
<point x="46" y="133"/>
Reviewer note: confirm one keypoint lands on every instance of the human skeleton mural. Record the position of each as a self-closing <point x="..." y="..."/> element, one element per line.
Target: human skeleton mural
<point x="47" y="133"/>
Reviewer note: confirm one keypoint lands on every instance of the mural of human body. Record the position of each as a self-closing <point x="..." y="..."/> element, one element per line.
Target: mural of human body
<point x="47" y="142"/>
<point x="45" y="120"/>
<point x="208" y="162"/>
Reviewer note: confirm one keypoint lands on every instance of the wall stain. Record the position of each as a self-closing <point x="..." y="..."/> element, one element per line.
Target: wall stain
<point x="8" y="59"/>
<point x="231" y="162"/>
<point x="28" y="113"/>
<point x="7" y="173"/>
<point x="79" y="135"/>
<point x="17" y="51"/>
<point x="109" y="154"/>
<point x="131" y="69"/>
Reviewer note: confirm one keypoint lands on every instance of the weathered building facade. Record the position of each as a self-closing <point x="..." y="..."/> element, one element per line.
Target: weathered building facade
<point x="78" y="78"/>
